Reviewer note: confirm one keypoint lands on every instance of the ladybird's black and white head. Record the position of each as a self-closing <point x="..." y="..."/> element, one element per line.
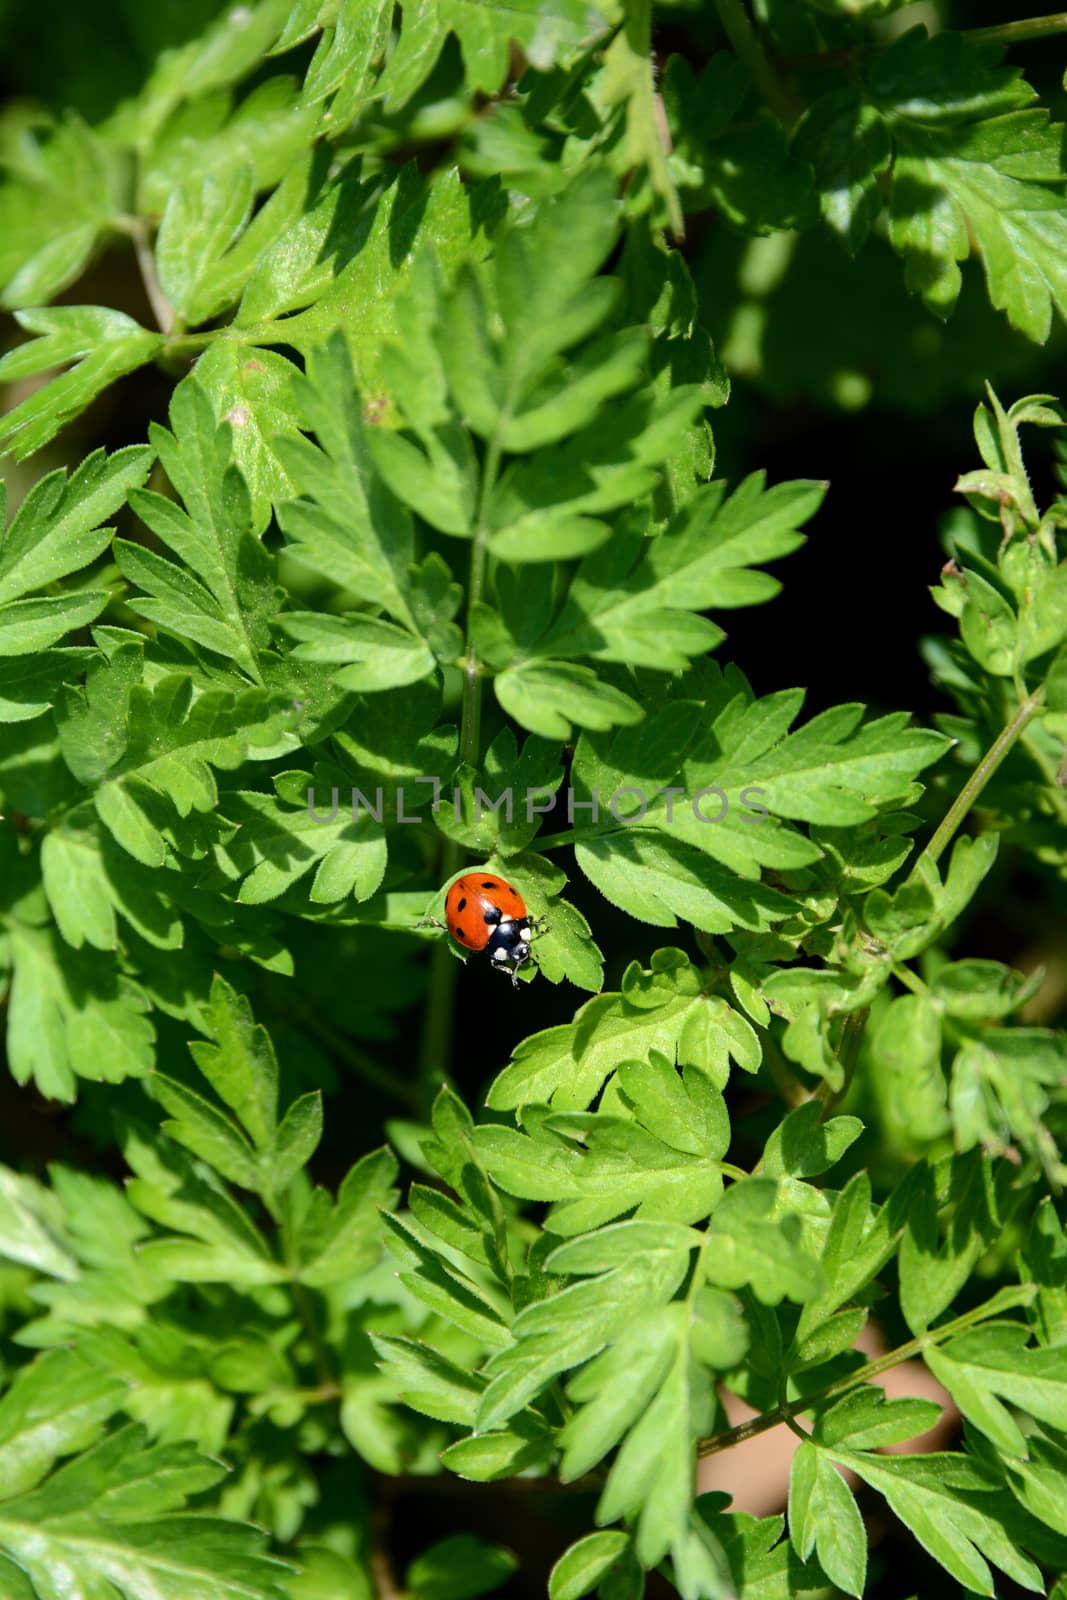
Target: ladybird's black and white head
<point x="509" y="947"/>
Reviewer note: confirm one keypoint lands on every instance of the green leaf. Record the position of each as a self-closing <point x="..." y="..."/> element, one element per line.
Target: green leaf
<point x="240" y="1065"/>
<point x="267" y="130"/>
<point x="250" y="392"/>
<point x="54" y="1407"/>
<point x="103" y="345"/>
<point x="637" y="1261"/>
<point x="354" y="259"/>
<point x="485" y="33"/>
<point x="965" y="177"/>
<point x="206" y="1132"/>
<point x="933" y="1272"/>
<point x="660" y="880"/>
<point x="70" y="1015"/>
<point x="664" y="1009"/>
<point x="431" y="1384"/>
<point x="741" y="165"/>
<point x="30" y="1226"/>
<point x="459" y="1568"/>
<point x="946" y="1503"/>
<point x="201" y="221"/>
<point x="749" y="1247"/>
<point x="279" y="843"/>
<point x="348" y="526"/>
<point x="848" y="146"/>
<point x="636" y="600"/>
<point x="651" y="1477"/>
<point x="349" y="1240"/>
<point x="1044" y="1261"/>
<point x="54" y="206"/>
<point x="803" y="1145"/>
<point x="582" y="1567"/>
<point x="372" y="654"/>
<point x="56" y="530"/>
<point x="222" y="595"/>
<point x="824" y="1519"/>
<point x="27" y="626"/>
<point x="547" y="696"/>
<point x="866" y="1420"/>
<point x="113" y="1517"/>
<point x="988" y="1366"/>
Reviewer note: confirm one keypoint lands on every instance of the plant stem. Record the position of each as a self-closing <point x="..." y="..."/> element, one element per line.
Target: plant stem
<point x="305" y="1310"/>
<point x="435" y="1049"/>
<point x="1015" y="32"/>
<point x="470" y="729"/>
<point x="848" y="1054"/>
<point x="360" y="1062"/>
<point x="982" y="774"/>
<point x="749" y="50"/>
<point x="1005" y="1301"/>
<point x="384" y="1581"/>
<point x="135" y="230"/>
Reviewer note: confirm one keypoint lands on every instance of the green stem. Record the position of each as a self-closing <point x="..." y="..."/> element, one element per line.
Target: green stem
<point x="637" y="67"/>
<point x="136" y="231"/>
<point x="436" y="1044"/>
<point x="435" y="1049"/>
<point x="910" y="980"/>
<point x="1005" y="1301"/>
<point x="848" y="1055"/>
<point x="1016" y="32"/>
<point x="470" y="730"/>
<point x="749" y="50"/>
<point x="982" y="774"/>
<point x="728" y="1170"/>
<point x="1055" y="776"/>
<point x="367" y="1068"/>
<point x="305" y="1309"/>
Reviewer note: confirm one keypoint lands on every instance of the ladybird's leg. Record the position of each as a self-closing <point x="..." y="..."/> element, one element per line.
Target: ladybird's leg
<point x="539" y="926"/>
<point x="431" y="922"/>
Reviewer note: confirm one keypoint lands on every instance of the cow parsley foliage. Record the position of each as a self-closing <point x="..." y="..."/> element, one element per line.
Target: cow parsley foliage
<point x="405" y="550"/>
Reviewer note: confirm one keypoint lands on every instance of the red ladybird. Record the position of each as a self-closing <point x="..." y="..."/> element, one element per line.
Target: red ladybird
<point x="486" y="914"/>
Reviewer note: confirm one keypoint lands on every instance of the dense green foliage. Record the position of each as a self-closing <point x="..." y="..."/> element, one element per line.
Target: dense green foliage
<point x="416" y="502"/>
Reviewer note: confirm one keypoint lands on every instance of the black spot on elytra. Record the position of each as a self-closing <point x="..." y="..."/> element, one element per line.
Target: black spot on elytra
<point x="463" y="904"/>
<point x="461" y="935"/>
<point x="490" y="883"/>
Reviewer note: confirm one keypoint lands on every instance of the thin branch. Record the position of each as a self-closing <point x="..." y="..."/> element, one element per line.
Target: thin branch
<point x="749" y="50"/>
<point x="136" y="230"/>
<point x="360" y="1062"/>
<point x="384" y="1580"/>
<point x="470" y="729"/>
<point x="1004" y="1301"/>
<point x="847" y="1054"/>
<point x="435" y="1049"/>
<point x="981" y="775"/>
<point x="305" y="1310"/>
<point x="1015" y="32"/>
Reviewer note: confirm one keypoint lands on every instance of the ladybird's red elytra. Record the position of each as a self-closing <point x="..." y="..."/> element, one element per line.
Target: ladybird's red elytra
<point x="485" y="915"/>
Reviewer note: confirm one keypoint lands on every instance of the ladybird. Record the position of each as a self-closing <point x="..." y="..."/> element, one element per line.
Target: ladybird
<point x="483" y="913"/>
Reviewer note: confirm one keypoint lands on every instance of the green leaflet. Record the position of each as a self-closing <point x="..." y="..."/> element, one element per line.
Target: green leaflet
<point x="112" y="1515"/>
<point x="221" y="595"/>
<point x="102" y="344"/>
<point x="53" y="210"/>
<point x="422" y="293"/>
<point x="663" y="1162"/>
<point x="662" y="1009"/>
